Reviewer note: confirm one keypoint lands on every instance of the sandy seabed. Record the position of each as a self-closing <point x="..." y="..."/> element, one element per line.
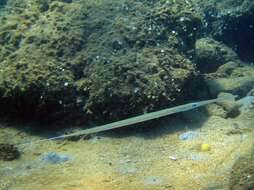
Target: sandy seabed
<point x="149" y="159"/>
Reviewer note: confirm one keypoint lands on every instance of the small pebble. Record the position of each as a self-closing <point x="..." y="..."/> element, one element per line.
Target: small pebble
<point x="188" y="136"/>
<point x="173" y="158"/>
<point x="153" y="180"/>
<point x="55" y="158"/>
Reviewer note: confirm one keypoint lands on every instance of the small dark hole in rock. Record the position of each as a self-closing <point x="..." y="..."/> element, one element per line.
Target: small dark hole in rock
<point x="8" y="152"/>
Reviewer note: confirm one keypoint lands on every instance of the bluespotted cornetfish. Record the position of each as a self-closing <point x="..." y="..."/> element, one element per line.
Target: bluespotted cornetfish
<point x="141" y="118"/>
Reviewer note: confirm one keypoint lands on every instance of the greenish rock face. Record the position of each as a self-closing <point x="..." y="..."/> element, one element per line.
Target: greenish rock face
<point x="96" y="60"/>
<point x="212" y="54"/>
<point x="242" y="175"/>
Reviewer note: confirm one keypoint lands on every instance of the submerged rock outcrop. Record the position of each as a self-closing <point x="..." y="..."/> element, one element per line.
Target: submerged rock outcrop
<point x="211" y="54"/>
<point x="242" y="176"/>
<point x="106" y="60"/>
<point x="95" y="59"/>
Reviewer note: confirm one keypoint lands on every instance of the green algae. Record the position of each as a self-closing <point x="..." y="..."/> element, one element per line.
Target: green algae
<point x="85" y="56"/>
<point x="242" y="176"/>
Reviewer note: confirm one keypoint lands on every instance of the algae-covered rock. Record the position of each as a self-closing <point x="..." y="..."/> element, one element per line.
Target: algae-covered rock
<point x="231" y="21"/>
<point x="216" y="110"/>
<point x="138" y="81"/>
<point x="235" y="85"/>
<point x="212" y="54"/>
<point x="242" y="175"/>
<point x="95" y="60"/>
<point x="227" y="69"/>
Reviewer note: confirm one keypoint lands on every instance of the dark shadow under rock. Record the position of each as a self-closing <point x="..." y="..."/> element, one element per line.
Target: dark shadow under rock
<point x="8" y="152"/>
<point x="232" y="22"/>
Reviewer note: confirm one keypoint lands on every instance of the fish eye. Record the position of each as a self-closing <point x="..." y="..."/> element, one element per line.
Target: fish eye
<point x="194" y="105"/>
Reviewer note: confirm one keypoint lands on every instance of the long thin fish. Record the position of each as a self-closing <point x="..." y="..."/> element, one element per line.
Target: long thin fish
<point x="141" y="118"/>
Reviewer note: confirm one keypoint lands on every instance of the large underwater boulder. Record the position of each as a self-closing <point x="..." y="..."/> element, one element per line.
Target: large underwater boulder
<point x="95" y="60"/>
